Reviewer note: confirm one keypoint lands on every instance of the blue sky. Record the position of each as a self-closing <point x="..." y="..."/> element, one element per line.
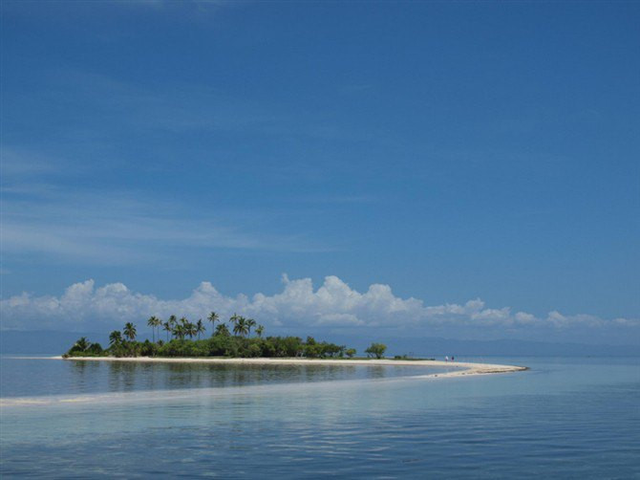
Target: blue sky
<point x="452" y="151"/>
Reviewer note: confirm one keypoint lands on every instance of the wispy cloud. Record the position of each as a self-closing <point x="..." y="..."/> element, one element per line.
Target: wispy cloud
<point x="42" y="216"/>
<point x="333" y="305"/>
<point x="119" y="227"/>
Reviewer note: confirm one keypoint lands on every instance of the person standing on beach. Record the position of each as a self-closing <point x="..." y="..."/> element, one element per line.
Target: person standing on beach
<point x="446" y="358"/>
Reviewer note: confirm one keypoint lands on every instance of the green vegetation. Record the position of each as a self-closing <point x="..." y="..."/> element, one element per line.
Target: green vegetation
<point x="376" y="350"/>
<point x="84" y="348"/>
<point x="235" y="342"/>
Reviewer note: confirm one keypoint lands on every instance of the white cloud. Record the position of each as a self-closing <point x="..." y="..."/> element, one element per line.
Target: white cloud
<point x="334" y="304"/>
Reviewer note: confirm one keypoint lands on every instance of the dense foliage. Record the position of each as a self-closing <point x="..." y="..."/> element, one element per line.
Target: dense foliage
<point x="84" y="348"/>
<point x="225" y="342"/>
<point x="376" y="350"/>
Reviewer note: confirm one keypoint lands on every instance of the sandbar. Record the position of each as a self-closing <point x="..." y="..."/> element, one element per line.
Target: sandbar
<point x="461" y="368"/>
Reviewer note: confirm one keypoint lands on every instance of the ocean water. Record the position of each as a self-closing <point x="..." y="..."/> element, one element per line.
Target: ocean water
<point x="43" y="376"/>
<point x="564" y="418"/>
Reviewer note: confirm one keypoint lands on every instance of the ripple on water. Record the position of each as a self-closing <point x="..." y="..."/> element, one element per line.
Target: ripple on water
<point x="510" y="426"/>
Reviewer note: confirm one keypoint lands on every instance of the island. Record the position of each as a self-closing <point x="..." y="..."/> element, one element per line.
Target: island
<point x="229" y="341"/>
<point x="234" y="343"/>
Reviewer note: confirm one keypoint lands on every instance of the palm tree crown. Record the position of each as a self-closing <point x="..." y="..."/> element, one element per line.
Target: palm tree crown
<point x="213" y="318"/>
<point x="154" y="322"/>
<point x="200" y="328"/>
<point x="179" y="331"/>
<point x="222" y="329"/>
<point x="250" y="324"/>
<point x="190" y="329"/>
<point x="234" y="318"/>
<point x="130" y="331"/>
<point x="115" y="338"/>
<point x="82" y="344"/>
<point x="241" y="327"/>
<point x="167" y="327"/>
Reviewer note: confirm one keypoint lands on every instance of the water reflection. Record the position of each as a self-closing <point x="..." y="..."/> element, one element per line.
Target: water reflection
<point x="129" y="376"/>
<point x="55" y="377"/>
<point x="491" y="427"/>
<point x="84" y="375"/>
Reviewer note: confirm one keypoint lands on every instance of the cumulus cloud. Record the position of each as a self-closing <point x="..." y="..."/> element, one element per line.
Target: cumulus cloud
<point x="334" y="304"/>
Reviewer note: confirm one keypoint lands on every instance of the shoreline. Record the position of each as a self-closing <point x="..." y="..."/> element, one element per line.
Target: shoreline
<point x="463" y="368"/>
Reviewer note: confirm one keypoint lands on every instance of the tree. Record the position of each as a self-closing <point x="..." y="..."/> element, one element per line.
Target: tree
<point x="376" y="350"/>
<point x="190" y="329"/>
<point x="234" y="319"/>
<point x="130" y="331"/>
<point x="158" y="325"/>
<point x="221" y="344"/>
<point x="222" y="330"/>
<point x="95" y="349"/>
<point x="250" y="324"/>
<point x="115" y="338"/>
<point x="179" y="332"/>
<point x="167" y="326"/>
<point x="200" y="328"/>
<point x="213" y="318"/>
<point x="81" y="345"/>
<point x="241" y="327"/>
<point x="186" y="328"/>
<point x="154" y="322"/>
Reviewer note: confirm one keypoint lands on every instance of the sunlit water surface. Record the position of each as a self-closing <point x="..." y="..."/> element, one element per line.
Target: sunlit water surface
<point x="565" y="418"/>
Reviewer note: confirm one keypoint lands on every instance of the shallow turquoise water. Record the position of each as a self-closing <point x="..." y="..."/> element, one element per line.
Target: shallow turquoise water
<point x="565" y="418"/>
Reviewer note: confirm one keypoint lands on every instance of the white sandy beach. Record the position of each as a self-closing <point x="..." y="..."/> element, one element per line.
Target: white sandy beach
<point x="462" y="368"/>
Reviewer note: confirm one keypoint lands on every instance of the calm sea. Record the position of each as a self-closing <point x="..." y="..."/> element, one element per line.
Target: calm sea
<point x="565" y="418"/>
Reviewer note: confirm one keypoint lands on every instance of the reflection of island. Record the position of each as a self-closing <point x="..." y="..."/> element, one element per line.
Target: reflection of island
<point x="135" y="375"/>
<point x="324" y="368"/>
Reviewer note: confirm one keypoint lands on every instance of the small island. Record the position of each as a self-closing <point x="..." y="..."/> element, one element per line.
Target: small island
<point x="185" y="339"/>
<point x="234" y="343"/>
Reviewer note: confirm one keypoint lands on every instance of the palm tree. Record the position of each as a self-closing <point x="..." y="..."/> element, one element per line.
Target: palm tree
<point x="190" y="329"/>
<point x="167" y="326"/>
<point x="115" y="338"/>
<point x="222" y="329"/>
<point x="186" y="326"/>
<point x="250" y="324"/>
<point x="259" y="330"/>
<point x="234" y="319"/>
<point x="82" y="344"/>
<point x="130" y="331"/>
<point x="154" y="322"/>
<point x="158" y="325"/>
<point x="178" y="331"/>
<point x="241" y="327"/>
<point x="213" y="318"/>
<point x="200" y="328"/>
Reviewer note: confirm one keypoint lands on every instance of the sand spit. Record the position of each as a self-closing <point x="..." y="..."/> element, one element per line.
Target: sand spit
<point x="462" y="368"/>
